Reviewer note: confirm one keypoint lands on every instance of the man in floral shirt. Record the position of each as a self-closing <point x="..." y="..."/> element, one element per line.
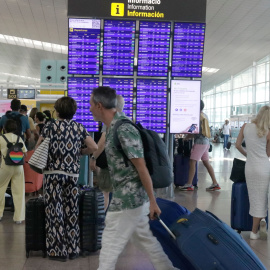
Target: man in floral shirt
<point x="133" y="196"/>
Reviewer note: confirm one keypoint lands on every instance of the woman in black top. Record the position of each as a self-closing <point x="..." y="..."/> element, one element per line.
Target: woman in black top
<point x="40" y="121"/>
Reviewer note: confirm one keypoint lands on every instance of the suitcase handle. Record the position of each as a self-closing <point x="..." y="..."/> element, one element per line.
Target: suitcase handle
<point x="165" y="226"/>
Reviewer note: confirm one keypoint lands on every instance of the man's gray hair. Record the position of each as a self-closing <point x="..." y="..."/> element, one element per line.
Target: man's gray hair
<point x="106" y="96"/>
<point x="120" y="103"/>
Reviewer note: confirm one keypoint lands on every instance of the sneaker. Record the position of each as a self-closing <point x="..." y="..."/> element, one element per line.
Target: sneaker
<point x="254" y="236"/>
<point x="263" y="232"/>
<point x="213" y="187"/>
<point x="187" y="188"/>
<point x="18" y="222"/>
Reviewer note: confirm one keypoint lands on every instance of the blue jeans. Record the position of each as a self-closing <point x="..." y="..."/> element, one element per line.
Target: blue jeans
<point x="226" y="138"/>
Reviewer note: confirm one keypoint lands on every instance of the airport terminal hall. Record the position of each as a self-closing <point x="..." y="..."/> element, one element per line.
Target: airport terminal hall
<point x="134" y="134"/>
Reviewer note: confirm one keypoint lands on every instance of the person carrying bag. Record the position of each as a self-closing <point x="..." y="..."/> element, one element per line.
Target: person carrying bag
<point x="12" y="150"/>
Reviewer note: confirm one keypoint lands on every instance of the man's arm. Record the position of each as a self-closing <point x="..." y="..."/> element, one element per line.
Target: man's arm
<point x="140" y="165"/>
<point x="91" y="146"/>
<point x="28" y="134"/>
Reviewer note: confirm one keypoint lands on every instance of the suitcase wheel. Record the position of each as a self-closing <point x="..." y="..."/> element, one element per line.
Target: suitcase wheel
<point x="85" y="253"/>
<point x="27" y="254"/>
<point x="239" y="231"/>
<point x="44" y="254"/>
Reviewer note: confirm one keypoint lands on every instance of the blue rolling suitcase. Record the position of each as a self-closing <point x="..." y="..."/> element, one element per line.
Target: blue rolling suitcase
<point x="171" y="211"/>
<point x="241" y="220"/>
<point x="181" y="170"/>
<point x="208" y="243"/>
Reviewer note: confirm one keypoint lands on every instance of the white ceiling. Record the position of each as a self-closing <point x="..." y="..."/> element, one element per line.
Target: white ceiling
<point x="237" y="33"/>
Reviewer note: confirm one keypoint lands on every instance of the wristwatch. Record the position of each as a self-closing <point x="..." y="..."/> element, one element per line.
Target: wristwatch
<point x="92" y="157"/>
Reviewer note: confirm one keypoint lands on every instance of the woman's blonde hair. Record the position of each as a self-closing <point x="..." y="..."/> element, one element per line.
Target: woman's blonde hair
<point x="262" y="121"/>
<point x="33" y="113"/>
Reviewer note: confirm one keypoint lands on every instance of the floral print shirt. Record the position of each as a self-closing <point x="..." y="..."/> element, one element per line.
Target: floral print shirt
<point x="128" y="191"/>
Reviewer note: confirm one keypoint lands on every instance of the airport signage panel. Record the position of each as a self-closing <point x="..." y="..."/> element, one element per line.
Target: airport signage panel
<point x="185" y="107"/>
<point x="173" y="10"/>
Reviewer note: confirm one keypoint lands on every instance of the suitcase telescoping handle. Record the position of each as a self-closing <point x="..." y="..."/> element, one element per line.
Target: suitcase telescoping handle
<point x="165" y="226"/>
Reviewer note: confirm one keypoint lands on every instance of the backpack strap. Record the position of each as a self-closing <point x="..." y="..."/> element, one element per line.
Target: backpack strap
<point x="18" y="138"/>
<point x="5" y="138"/>
<point x="116" y="140"/>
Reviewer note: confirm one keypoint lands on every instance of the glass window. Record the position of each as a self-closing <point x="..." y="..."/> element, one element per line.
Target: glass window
<point x="243" y="79"/>
<point x="243" y="99"/>
<point x="260" y="73"/>
<point x="267" y="92"/>
<point x="224" y="97"/>
<point x="229" y="99"/>
<point x="218" y="100"/>
<point x="267" y="71"/>
<point x="236" y="97"/>
<point x="260" y="92"/>
<point x="249" y="94"/>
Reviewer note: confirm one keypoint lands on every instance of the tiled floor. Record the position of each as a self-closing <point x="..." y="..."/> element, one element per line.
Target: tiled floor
<point x="12" y="251"/>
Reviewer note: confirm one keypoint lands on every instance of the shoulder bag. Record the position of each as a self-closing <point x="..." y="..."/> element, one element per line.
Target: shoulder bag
<point x="238" y="171"/>
<point x="38" y="160"/>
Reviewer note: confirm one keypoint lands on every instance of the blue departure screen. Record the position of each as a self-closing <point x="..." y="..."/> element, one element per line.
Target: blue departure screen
<point x="119" y="47"/>
<point x="80" y="89"/>
<point x="154" y="48"/>
<point x="188" y="47"/>
<point x="83" y="46"/>
<point x="152" y="104"/>
<point x="123" y="87"/>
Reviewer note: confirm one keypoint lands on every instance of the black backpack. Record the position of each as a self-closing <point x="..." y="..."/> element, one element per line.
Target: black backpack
<point x="17" y="119"/>
<point x="155" y="154"/>
<point x="14" y="154"/>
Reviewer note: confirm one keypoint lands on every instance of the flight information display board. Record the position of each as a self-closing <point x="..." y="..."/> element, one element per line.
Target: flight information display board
<point x="123" y="87"/>
<point x="83" y="46"/>
<point x="151" y="109"/>
<point x="80" y="89"/>
<point x="188" y="45"/>
<point x="119" y="47"/>
<point x="154" y="48"/>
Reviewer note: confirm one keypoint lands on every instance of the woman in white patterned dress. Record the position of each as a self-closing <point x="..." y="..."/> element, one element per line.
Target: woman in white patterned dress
<point x="257" y="170"/>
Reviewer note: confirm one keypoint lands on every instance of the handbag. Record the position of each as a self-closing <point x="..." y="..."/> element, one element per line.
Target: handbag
<point x="38" y="160"/>
<point x="238" y="171"/>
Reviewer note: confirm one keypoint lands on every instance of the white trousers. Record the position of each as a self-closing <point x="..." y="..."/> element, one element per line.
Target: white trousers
<point x="15" y="174"/>
<point x="131" y="224"/>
